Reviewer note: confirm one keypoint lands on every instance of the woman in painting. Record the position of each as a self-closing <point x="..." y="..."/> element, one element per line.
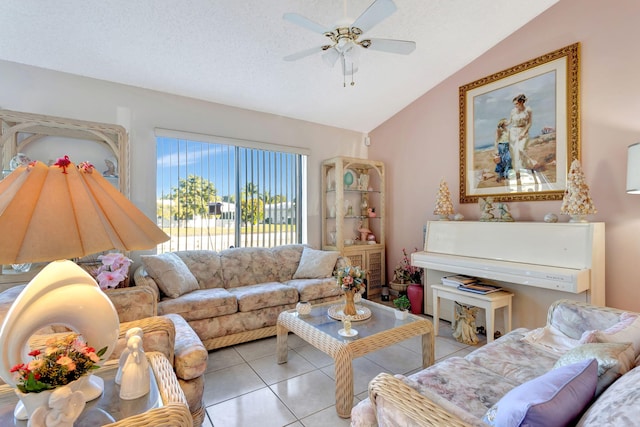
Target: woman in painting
<point x="520" y="123"/>
<point x="503" y="151"/>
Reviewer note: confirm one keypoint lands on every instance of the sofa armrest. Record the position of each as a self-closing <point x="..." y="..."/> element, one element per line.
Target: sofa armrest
<point x="142" y="278"/>
<point x="573" y="318"/>
<point x="190" y="353"/>
<point x="133" y="303"/>
<point x="411" y="403"/>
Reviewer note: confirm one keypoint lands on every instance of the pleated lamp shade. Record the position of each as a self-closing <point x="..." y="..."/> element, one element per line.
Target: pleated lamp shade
<point x="54" y="212"/>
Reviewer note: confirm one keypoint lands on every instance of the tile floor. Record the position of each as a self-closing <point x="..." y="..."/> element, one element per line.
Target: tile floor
<point x="244" y="385"/>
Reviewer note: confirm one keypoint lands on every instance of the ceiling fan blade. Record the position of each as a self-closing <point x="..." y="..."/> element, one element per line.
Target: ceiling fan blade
<point x="375" y="13"/>
<point x="303" y="54"/>
<point x="304" y="22"/>
<point x="403" y="47"/>
<point x="330" y="57"/>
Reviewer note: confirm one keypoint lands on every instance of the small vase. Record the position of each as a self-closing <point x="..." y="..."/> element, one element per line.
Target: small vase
<point x="401" y="314"/>
<point x="303" y="308"/>
<point x="349" y="306"/>
<point x="415" y="294"/>
<point x="63" y="403"/>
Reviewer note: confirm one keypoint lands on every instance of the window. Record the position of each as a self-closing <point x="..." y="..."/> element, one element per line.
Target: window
<point x="216" y="193"/>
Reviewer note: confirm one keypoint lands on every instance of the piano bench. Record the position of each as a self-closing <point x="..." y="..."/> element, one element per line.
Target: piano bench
<point x="489" y="302"/>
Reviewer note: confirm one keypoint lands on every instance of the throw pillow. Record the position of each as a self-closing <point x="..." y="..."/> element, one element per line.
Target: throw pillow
<point x="556" y="398"/>
<point x="315" y="264"/>
<point x="170" y="273"/>
<point x="626" y="330"/>
<point x="614" y="360"/>
<point x="550" y="339"/>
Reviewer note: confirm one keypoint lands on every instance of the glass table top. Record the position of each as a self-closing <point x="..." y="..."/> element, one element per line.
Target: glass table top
<point x="382" y="319"/>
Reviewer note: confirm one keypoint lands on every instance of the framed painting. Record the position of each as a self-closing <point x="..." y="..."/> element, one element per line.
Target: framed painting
<point x="520" y="130"/>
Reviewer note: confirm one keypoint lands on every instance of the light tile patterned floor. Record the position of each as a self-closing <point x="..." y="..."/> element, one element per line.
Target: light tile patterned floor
<point x="244" y="386"/>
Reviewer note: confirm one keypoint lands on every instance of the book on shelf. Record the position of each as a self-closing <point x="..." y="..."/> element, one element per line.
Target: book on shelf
<point x="479" y="288"/>
<point x="457" y="280"/>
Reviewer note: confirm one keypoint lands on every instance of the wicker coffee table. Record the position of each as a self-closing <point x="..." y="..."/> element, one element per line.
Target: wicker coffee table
<point x="381" y="330"/>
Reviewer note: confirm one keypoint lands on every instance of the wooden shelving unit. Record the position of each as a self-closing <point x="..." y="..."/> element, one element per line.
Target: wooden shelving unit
<point x="350" y="188"/>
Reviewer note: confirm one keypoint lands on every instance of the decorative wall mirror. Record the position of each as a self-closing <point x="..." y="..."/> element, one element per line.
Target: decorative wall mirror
<point x="46" y="138"/>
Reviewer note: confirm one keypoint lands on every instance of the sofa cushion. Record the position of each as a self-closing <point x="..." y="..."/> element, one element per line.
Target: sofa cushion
<point x="316" y="264"/>
<point x="205" y="266"/>
<point x="248" y="266"/>
<point x="617" y="406"/>
<point x="288" y="258"/>
<point x="200" y="304"/>
<point x="556" y="398"/>
<point x="510" y="357"/>
<point x="264" y="295"/>
<point x="458" y="383"/>
<point x="614" y="360"/>
<point x="170" y="273"/>
<point x="314" y="289"/>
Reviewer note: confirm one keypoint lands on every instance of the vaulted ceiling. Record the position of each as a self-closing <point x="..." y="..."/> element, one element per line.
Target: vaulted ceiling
<point x="231" y="51"/>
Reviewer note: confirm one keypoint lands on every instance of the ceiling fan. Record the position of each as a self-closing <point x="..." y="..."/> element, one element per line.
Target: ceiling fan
<point x="345" y="42"/>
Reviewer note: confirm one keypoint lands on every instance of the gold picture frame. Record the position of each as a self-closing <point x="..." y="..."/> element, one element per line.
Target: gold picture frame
<point x="521" y="151"/>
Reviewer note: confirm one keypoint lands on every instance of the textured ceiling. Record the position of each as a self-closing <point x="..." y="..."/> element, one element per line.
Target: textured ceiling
<point x="230" y="51"/>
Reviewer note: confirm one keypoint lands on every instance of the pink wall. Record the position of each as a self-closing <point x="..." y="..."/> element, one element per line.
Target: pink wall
<point x="420" y="144"/>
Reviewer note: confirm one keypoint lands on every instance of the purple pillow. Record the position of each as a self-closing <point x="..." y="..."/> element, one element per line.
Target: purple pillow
<point x="554" y="399"/>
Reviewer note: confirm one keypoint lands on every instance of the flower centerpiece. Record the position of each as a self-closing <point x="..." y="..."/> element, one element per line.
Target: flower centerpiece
<point x="351" y="280"/>
<point x="51" y="385"/>
<point x="62" y="361"/>
<point x="405" y="273"/>
<point x="113" y="271"/>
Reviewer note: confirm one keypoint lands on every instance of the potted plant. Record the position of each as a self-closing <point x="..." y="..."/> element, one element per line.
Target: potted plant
<point x="405" y="274"/>
<point x="403" y="304"/>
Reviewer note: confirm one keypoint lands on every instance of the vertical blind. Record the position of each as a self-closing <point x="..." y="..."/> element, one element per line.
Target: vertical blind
<point x="214" y="193"/>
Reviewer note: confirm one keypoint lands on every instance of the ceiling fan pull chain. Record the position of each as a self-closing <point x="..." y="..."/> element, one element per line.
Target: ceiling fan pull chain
<point x="344" y="75"/>
<point x="352" y="82"/>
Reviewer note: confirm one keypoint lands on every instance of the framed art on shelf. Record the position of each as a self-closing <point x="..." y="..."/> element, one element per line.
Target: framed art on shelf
<point x="520" y="130"/>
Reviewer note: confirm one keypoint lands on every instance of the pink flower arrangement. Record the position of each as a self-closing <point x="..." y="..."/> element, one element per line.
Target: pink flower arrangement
<point x="351" y="279"/>
<point x="62" y="361"/>
<point x="405" y="272"/>
<point x="114" y="269"/>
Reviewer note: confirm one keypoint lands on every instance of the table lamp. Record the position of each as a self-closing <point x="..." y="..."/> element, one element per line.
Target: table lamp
<point x="55" y="213"/>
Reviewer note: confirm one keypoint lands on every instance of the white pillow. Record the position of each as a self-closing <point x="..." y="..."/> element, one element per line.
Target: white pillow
<point x="170" y="273"/>
<point x="315" y="264"/>
<point x="550" y="339"/>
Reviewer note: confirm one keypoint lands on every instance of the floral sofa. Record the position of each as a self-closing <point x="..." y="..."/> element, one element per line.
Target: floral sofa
<point x="580" y="369"/>
<point x="236" y="295"/>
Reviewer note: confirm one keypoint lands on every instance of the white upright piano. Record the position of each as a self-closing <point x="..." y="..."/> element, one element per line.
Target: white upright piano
<point x="539" y="262"/>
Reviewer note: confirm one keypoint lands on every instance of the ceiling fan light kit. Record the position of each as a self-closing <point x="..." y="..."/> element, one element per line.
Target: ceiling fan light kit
<point x="344" y="38"/>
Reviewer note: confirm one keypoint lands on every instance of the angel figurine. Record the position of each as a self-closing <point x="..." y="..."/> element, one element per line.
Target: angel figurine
<point x="125" y="353"/>
<point x="136" y="379"/>
<point x="464" y="324"/>
<point x="486" y="205"/>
